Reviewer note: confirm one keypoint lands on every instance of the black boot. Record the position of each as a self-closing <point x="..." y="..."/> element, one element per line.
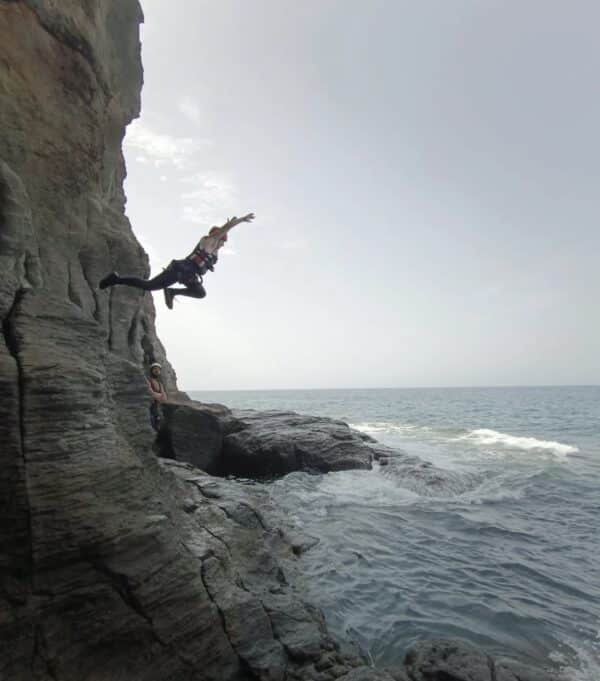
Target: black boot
<point x="110" y="280"/>
<point x="169" y="298"/>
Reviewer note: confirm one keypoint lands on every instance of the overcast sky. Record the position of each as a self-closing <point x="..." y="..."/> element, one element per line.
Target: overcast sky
<point x="425" y="177"/>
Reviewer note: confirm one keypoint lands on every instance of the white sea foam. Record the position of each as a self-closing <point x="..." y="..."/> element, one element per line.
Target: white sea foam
<point x="488" y="437"/>
<point x="585" y="666"/>
<point x="385" y="427"/>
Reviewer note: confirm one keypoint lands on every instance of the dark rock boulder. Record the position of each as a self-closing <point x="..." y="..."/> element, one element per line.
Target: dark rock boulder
<point x="457" y="660"/>
<point x="255" y="444"/>
<point x="438" y="660"/>
<point x="194" y="433"/>
<point x="275" y="443"/>
<point x="510" y="670"/>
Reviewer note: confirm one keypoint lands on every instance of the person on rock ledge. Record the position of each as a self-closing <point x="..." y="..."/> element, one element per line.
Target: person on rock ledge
<point x="159" y="394"/>
<point x="188" y="271"/>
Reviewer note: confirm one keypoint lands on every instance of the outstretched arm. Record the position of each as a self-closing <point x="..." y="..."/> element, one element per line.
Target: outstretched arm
<point x="232" y="222"/>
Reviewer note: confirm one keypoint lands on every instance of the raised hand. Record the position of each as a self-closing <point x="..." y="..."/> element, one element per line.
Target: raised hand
<point x="232" y="222"/>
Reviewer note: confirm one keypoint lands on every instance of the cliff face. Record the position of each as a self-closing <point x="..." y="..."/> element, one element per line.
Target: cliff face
<point x="112" y="565"/>
<point x="76" y="475"/>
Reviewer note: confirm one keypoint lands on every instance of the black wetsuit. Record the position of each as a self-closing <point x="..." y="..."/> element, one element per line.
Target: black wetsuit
<point x="184" y="272"/>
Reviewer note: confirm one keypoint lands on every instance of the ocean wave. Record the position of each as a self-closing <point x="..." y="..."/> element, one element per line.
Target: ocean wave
<point x="483" y="437"/>
<point x="386" y="427"/>
<point x="487" y="437"/>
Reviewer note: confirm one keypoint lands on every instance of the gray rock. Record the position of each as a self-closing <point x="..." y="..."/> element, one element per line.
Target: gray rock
<point x="367" y="674"/>
<point x="193" y="433"/>
<point x="271" y="630"/>
<point x="397" y="673"/>
<point x="300" y="630"/>
<point x="248" y="443"/>
<point x="440" y="660"/>
<point x="511" y="670"/>
<point x="274" y="443"/>
<point x="300" y="542"/>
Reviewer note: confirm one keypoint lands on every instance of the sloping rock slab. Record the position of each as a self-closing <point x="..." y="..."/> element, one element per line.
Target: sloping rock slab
<point x="236" y="552"/>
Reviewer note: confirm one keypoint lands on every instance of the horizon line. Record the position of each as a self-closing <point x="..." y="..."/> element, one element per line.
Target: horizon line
<point x="416" y="387"/>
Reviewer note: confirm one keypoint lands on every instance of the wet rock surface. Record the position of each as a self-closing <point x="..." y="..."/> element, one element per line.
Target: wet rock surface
<point x="239" y="554"/>
<point x="456" y="660"/>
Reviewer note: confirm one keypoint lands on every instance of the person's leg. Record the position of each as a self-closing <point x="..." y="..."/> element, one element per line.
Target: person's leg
<point x="192" y="290"/>
<point x="195" y="290"/>
<point x="162" y="280"/>
<point x="154" y="416"/>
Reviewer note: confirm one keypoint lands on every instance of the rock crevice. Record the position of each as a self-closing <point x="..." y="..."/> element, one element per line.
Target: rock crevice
<point x="10" y="340"/>
<point x="16" y="512"/>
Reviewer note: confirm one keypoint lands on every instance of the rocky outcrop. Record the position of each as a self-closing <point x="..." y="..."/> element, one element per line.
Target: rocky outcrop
<point x="266" y="444"/>
<point x="441" y="660"/>
<point x="249" y="443"/>
<point x="194" y="434"/>
<point x="237" y="554"/>
<point x="272" y="443"/>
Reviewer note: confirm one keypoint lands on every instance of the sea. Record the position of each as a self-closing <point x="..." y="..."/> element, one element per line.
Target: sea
<point x="506" y="555"/>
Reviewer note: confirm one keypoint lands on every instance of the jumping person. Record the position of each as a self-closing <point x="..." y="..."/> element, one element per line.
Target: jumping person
<point x="158" y="392"/>
<point x="188" y="271"/>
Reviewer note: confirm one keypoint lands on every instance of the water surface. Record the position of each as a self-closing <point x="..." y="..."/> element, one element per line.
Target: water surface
<point x="508" y="558"/>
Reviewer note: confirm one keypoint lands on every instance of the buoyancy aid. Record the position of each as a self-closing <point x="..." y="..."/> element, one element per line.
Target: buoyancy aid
<point x="205" y="261"/>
